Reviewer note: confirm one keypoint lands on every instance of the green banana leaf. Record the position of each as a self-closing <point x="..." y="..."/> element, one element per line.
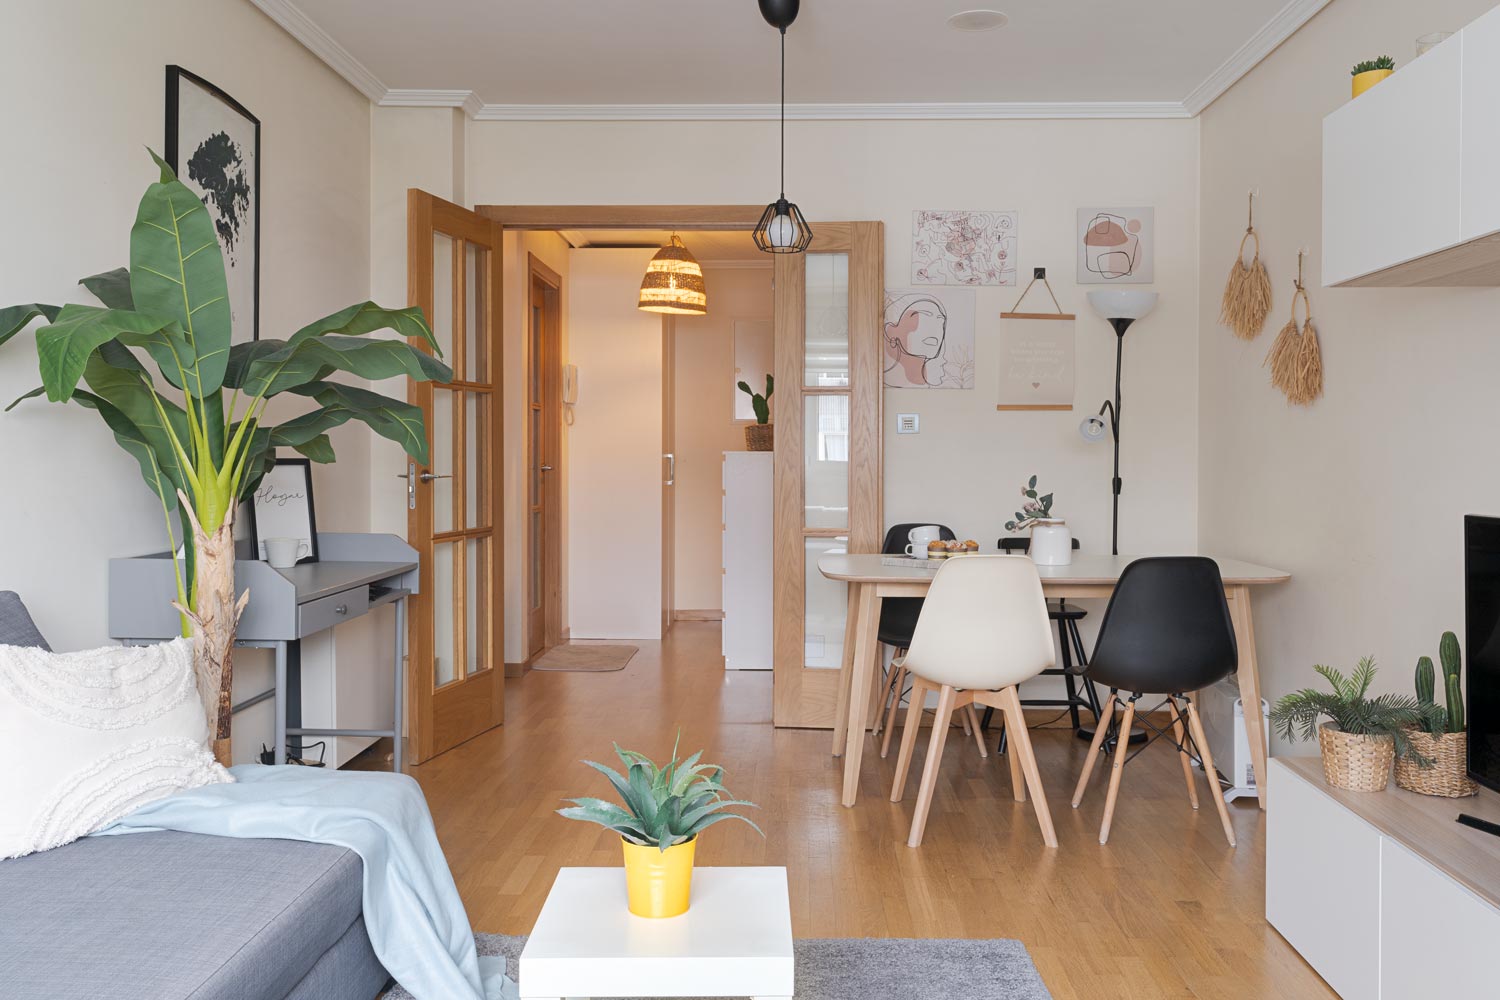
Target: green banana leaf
<point x="13" y="319"/>
<point x="310" y="360"/>
<point x="390" y="418"/>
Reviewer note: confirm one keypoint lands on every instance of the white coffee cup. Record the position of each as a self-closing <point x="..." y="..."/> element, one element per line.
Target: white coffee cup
<point x="919" y="538"/>
<point x="283" y="553"/>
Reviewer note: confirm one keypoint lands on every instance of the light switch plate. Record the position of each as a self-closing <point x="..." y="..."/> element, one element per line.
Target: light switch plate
<point x="907" y="423"/>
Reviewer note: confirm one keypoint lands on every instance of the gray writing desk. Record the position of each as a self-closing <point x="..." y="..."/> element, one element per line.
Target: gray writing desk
<point x="286" y="606"/>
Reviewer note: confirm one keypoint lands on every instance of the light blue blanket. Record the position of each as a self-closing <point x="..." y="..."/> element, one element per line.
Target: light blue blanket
<point x="412" y="910"/>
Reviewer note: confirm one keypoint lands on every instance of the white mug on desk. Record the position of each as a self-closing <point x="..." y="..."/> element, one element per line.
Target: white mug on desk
<point x="283" y="553"/>
<point x="919" y="538"/>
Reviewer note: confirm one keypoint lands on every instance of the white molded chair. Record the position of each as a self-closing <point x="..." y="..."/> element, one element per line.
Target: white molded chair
<point x="983" y="630"/>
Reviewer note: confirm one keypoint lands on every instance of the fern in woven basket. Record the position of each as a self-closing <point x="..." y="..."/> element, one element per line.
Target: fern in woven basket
<point x="1296" y="715"/>
<point x="663" y="806"/>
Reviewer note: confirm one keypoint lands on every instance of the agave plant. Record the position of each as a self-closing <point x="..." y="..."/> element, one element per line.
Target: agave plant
<point x="1296" y="715"/>
<point x="202" y="439"/>
<point x="664" y="806"/>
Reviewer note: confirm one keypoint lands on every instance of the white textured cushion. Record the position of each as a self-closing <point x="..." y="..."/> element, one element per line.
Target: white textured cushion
<point x="88" y="737"/>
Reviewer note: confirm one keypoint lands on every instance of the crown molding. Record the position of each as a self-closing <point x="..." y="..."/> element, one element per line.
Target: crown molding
<point x="466" y="99"/>
<point x="963" y="111"/>
<point x="301" y="27"/>
<point x="1261" y="44"/>
<point x="321" y="44"/>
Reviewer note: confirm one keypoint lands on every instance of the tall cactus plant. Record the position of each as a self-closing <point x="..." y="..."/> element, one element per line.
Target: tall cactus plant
<point x="1452" y="664"/>
<point x="1426" y="686"/>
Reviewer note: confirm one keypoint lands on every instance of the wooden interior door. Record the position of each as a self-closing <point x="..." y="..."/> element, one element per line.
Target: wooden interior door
<point x="828" y="463"/>
<point x="669" y="471"/>
<point x="543" y="568"/>
<point x="456" y="674"/>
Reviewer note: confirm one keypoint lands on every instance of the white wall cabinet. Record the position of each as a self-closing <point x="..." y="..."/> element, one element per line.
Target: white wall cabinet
<point x="1383" y="894"/>
<point x="749" y="507"/>
<point x="1409" y="167"/>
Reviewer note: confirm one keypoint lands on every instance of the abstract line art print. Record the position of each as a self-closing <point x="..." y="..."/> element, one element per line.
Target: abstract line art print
<point x="929" y="338"/>
<point x="1116" y="246"/>
<point x="963" y="248"/>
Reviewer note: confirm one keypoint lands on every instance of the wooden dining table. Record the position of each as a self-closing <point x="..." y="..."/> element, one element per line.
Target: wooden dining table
<point x="871" y="581"/>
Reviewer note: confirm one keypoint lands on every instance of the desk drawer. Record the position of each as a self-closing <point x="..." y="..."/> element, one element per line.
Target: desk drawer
<point x="326" y="612"/>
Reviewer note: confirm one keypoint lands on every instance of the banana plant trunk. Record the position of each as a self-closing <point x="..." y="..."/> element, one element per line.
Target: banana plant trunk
<point x="214" y="619"/>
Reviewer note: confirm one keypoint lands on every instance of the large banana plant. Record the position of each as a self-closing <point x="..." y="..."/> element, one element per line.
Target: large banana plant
<point x="199" y="432"/>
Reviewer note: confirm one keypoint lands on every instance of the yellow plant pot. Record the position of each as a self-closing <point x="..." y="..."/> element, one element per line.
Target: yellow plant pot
<point x="658" y="883"/>
<point x="1369" y="78"/>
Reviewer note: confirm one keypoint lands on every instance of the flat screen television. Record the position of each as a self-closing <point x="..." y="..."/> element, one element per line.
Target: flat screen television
<point x="1482" y="646"/>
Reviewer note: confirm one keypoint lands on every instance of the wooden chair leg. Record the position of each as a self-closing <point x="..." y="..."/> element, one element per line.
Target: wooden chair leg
<point x="930" y="767"/>
<point x="919" y="689"/>
<point x="885" y="693"/>
<point x="1020" y="745"/>
<point x="1179" y="732"/>
<point x="1017" y="779"/>
<point x="963" y="720"/>
<point x="1195" y="725"/>
<point x="1122" y="748"/>
<point x="976" y="730"/>
<point x="899" y="674"/>
<point x="1101" y="728"/>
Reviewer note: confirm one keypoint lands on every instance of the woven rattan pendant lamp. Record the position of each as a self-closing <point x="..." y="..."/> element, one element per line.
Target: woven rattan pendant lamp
<point x="674" y="282"/>
<point x="782" y="229"/>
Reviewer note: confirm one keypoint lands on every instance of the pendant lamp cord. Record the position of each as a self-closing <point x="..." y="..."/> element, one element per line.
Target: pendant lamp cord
<point x="783" y="114"/>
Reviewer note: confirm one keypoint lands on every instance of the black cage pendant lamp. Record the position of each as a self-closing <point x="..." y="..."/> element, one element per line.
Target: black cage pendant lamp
<point x="782" y="229"/>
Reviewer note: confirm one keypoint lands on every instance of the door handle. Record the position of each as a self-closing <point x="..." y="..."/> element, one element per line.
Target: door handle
<point x="412" y="478"/>
<point x="428" y="477"/>
<point x="671" y="468"/>
<point x="546" y="468"/>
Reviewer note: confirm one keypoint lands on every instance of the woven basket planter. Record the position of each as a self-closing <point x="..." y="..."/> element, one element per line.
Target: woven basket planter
<point x="1448" y="776"/>
<point x="760" y="437"/>
<point x="1358" y="763"/>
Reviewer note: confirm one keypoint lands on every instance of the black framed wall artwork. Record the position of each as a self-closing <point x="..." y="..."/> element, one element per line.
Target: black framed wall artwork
<point x="213" y="143"/>
<point x="283" y="523"/>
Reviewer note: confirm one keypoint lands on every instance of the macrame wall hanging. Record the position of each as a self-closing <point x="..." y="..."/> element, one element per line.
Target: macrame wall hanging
<point x="1295" y="360"/>
<point x="1247" y="294"/>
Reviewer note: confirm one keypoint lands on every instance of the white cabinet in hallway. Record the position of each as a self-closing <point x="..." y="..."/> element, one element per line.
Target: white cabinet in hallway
<point x="748" y="511"/>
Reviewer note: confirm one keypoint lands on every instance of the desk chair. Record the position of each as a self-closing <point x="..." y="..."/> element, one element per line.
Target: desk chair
<point x="1167" y="628"/>
<point x="983" y="630"/>
<point x="898" y="618"/>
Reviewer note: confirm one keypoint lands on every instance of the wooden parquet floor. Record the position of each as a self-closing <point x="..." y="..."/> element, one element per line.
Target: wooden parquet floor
<point x="1167" y="909"/>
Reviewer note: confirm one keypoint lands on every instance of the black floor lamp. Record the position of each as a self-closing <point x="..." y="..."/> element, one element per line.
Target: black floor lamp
<point x="1121" y="308"/>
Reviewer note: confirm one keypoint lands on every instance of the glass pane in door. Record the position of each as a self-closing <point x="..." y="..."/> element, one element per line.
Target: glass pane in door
<point x="442" y="292"/>
<point x="825" y="459"/>
<point x="476" y="337"/>
<point x="826" y="330"/>
<point x="826" y="604"/>
<point x="534" y="550"/>
<point x="444" y="648"/>
<point x="442" y="456"/>
<point x="477" y="469"/>
<point x="477" y="609"/>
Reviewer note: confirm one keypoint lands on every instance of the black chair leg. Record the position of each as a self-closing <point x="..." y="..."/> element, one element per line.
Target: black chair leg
<point x="1065" y="645"/>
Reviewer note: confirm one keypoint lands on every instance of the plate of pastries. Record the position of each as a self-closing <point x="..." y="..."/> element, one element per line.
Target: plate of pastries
<point x="942" y="550"/>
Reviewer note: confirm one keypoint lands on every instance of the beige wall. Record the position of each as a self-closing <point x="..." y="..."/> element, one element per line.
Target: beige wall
<point x="968" y="461"/>
<point x="1361" y="495"/>
<point x="706" y="428"/>
<point x="614" y="510"/>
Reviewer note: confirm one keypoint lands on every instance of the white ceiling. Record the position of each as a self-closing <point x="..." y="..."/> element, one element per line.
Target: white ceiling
<point x="505" y="56"/>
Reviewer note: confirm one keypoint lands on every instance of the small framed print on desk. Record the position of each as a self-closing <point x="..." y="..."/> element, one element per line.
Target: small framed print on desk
<point x="282" y="508"/>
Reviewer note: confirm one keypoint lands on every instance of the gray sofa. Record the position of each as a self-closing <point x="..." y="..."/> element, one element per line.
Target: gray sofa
<point x="163" y="916"/>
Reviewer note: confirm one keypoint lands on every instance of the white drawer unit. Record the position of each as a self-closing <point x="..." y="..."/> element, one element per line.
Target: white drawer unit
<point x="1383" y="894"/>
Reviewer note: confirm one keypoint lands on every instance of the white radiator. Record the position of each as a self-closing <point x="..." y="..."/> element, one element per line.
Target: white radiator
<point x="1224" y="723"/>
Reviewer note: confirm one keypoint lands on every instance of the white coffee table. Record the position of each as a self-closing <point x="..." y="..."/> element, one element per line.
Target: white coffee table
<point x="734" y="941"/>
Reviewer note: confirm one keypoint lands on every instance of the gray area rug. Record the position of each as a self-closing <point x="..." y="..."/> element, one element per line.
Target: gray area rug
<point x="880" y="968"/>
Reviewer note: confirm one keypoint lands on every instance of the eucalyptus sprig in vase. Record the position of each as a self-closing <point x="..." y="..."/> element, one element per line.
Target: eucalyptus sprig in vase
<point x="1051" y="541"/>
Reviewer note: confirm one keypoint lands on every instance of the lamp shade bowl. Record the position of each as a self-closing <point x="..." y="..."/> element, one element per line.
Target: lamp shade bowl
<point x="1119" y="303"/>
<point x="674" y="282"/>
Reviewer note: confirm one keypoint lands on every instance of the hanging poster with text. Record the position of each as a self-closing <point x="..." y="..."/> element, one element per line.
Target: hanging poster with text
<point x="1036" y="361"/>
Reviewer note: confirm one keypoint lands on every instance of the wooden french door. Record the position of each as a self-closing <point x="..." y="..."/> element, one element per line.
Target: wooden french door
<point x="543" y="569"/>
<point x="828" y="454"/>
<point x="456" y="669"/>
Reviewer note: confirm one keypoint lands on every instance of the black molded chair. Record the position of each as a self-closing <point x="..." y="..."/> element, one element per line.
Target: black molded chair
<point x="898" y="619"/>
<point x="1074" y="660"/>
<point x="1167" y="629"/>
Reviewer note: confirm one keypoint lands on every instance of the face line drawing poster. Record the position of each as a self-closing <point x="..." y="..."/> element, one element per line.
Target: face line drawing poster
<point x="929" y="338"/>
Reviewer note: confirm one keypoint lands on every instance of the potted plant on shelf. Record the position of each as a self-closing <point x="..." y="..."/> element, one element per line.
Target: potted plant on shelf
<point x="761" y="435"/>
<point x="200" y="432"/>
<point x="1370" y="72"/>
<point x="1442" y="735"/>
<point x="664" y="811"/>
<point x="1051" y="541"/>
<point x="1363" y="735"/>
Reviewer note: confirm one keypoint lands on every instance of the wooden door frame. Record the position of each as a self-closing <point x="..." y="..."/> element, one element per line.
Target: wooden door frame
<point x="805" y="697"/>
<point x="426" y="212"/>
<point x="537" y="273"/>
